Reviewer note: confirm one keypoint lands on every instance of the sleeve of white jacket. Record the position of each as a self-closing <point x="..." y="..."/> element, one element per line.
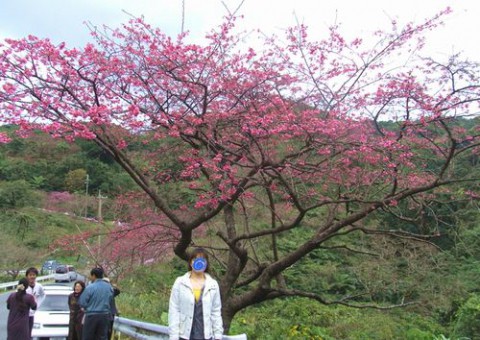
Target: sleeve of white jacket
<point x="217" y="322"/>
<point x="41" y="295"/>
<point x="174" y="313"/>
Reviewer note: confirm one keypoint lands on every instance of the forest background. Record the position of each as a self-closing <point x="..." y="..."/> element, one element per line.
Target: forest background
<point x="47" y="204"/>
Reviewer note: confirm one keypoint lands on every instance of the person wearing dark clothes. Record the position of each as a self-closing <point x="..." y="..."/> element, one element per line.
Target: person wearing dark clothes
<point x="96" y="300"/>
<point x="194" y="310"/>
<point x="76" y="313"/>
<point x="114" y="312"/>
<point x="19" y="305"/>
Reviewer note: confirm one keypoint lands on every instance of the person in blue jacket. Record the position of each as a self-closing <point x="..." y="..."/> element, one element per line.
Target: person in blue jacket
<point x="96" y="301"/>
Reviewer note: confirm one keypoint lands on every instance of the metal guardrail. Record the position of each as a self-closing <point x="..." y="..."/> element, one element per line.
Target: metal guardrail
<point x="138" y="330"/>
<point x="13" y="284"/>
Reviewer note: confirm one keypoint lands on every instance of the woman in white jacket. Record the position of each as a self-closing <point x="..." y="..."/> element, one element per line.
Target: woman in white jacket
<point x="195" y="308"/>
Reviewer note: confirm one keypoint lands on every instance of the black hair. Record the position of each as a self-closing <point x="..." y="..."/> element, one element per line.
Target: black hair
<point x="97" y="272"/>
<point x="21" y="293"/>
<point x="31" y="270"/>
<point x="81" y="283"/>
<point x="194" y="254"/>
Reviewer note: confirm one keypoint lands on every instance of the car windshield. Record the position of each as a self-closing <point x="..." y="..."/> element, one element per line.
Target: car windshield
<point x="54" y="302"/>
<point x="61" y="270"/>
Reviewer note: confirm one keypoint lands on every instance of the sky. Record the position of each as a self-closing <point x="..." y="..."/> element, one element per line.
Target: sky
<point x="64" y="20"/>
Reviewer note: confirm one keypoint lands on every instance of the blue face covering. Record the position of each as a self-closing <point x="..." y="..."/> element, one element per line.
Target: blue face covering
<point x="199" y="264"/>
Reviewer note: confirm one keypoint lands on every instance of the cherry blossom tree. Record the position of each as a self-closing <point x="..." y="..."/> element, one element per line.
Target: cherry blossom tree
<point x="254" y="144"/>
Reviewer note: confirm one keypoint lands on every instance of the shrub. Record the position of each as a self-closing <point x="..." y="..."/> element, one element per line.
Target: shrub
<point x="467" y="320"/>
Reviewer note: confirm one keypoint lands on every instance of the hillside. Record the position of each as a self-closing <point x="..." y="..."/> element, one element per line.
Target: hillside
<point x="29" y="236"/>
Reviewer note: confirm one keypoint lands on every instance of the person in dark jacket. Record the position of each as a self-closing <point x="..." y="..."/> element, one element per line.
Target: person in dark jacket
<point x="116" y="292"/>
<point x="19" y="305"/>
<point x="76" y="312"/>
<point x="96" y="300"/>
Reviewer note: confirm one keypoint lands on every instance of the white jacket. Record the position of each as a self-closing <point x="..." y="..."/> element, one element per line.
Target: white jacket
<point x="182" y="304"/>
<point x="38" y="293"/>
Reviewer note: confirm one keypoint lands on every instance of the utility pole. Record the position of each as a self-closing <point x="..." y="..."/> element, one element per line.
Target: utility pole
<point x="100" y="220"/>
<point x="99" y="213"/>
<point x="87" y="179"/>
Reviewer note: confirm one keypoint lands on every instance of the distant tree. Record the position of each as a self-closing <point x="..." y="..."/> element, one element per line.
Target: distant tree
<point x="14" y="257"/>
<point x="252" y="144"/>
<point x="14" y="170"/>
<point x="75" y="180"/>
<point x="16" y="194"/>
<point x="70" y="203"/>
<point x="59" y="201"/>
<point x="133" y="240"/>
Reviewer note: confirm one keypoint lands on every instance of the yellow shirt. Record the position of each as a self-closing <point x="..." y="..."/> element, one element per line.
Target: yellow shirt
<point x="196" y="293"/>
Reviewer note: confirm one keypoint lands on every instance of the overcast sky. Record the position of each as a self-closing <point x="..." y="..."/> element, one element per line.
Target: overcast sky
<point x="63" y="20"/>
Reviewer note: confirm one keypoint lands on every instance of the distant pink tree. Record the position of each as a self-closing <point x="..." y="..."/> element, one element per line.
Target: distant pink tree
<point x="59" y="201"/>
<point x="137" y="236"/>
<point x="253" y="144"/>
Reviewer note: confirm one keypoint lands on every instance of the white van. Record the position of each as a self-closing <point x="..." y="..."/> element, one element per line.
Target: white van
<point x="65" y="273"/>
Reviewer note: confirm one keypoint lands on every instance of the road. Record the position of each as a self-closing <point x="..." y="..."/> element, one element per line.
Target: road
<point x="4" y="310"/>
<point x="3" y="315"/>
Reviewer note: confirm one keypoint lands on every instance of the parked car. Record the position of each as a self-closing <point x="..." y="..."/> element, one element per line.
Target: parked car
<point x="65" y="273"/>
<point x="50" y="265"/>
<point x="52" y="316"/>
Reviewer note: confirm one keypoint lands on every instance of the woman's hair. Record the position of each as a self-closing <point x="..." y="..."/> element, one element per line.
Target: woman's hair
<point x="81" y="283"/>
<point x="21" y="291"/>
<point x="198" y="252"/>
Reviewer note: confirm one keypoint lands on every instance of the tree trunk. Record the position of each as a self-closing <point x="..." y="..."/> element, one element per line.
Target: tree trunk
<point x="227" y="315"/>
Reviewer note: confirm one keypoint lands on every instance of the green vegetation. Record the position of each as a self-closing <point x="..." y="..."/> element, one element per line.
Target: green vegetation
<point x="303" y="319"/>
<point x="54" y="165"/>
<point x="29" y="237"/>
